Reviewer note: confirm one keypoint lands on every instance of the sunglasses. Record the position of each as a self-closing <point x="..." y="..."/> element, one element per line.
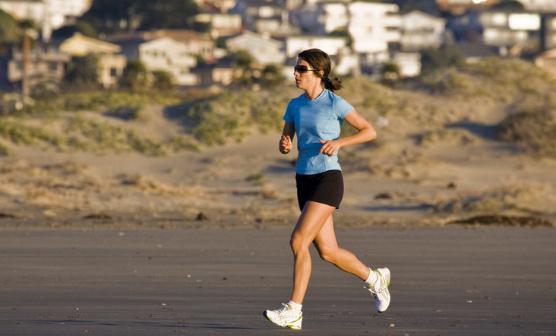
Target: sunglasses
<point x="303" y="69"/>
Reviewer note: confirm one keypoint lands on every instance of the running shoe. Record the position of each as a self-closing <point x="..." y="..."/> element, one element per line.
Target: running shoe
<point x="379" y="289"/>
<point x="285" y="317"/>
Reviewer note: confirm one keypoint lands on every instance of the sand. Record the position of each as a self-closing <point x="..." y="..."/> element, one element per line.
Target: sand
<point x="446" y="281"/>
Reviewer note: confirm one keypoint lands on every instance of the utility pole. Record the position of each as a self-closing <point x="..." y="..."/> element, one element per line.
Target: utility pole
<point x="25" y="85"/>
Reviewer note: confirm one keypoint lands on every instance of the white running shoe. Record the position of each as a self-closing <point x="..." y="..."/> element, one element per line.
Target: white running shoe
<point x="380" y="289"/>
<point x="285" y="317"/>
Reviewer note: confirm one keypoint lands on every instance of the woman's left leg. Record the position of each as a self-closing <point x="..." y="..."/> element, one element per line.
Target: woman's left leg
<point x="327" y="245"/>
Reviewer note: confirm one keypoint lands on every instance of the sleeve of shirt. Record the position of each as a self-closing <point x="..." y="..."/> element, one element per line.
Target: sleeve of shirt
<point x="288" y="115"/>
<point x="342" y="107"/>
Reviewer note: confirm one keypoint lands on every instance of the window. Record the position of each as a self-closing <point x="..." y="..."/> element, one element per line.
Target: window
<point x="113" y="72"/>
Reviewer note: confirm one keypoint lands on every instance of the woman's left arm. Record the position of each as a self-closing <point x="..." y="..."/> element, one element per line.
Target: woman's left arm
<point x="366" y="132"/>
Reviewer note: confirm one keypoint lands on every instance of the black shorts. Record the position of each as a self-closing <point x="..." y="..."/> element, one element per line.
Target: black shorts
<point x="326" y="187"/>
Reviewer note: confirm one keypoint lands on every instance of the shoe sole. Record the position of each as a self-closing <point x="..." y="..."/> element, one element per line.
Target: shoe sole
<point x="290" y="326"/>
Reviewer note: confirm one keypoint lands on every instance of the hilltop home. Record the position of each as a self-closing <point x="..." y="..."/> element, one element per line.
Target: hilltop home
<point x="222" y="72"/>
<point x="166" y="54"/>
<point x="421" y="31"/>
<point x="196" y="43"/>
<point x="111" y="64"/>
<point x="46" y="65"/>
<point x="549" y="31"/>
<point x="263" y="49"/>
<point x="548" y="6"/>
<point x="374" y="27"/>
<point x="329" y="44"/>
<point x="48" y="14"/>
<point x="269" y="17"/>
<point x="221" y="24"/>
<point x="511" y="31"/>
<point x="460" y="6"/>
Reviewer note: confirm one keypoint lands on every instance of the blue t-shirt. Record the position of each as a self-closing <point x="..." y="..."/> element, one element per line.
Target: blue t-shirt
<point x="315" y="120"/>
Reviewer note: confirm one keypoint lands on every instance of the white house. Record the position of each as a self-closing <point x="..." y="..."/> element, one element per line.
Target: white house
<point x="329" y="44"/>
<point x="335" y="16"/>
<point x="111" y="63"/>
<point x="505" y="29"/>
<point x="47" y="14"/>
<point x="550" y="32"/>
<point x="539" y="5"/>
<point x="168" y="55"/>
<point x="263" y="49"/>
<point x="221" y="24"/>
<point x="421" y="31"/>
<point x="408" y="63"/>
<point x="460" y="6"/>
<point x="373" y="26"/>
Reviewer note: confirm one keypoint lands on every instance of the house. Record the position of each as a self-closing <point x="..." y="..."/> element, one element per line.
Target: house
<point x="166" y="54"/>
<point x="159" y="53"/>
<point x="549" y="31"/>
<point x="329" y="44"/>
<point x="221" y="24"/>
<point x="547" y="61"/>
<point x="263" y="49"/>
<point x="421" y="31"/>
<point x="197" y="43"/>
<point x="220" y="6"/>
<point x="511" y="31"/>
<point x="111" y="64"/>
<point x="545" y="6"/>
<point x="374" y="27"/>
<point x="409" y="63"/>
<point x="46" y="65"/>
<point x="48" y="14"/>
<point x="269" y="17"/>
<point x="458" y="7"/>
<point x="222" y="73"/>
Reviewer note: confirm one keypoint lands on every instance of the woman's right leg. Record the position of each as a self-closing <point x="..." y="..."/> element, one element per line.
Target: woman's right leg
<point x="327" y="245"/>
<point x="309" y="224"/>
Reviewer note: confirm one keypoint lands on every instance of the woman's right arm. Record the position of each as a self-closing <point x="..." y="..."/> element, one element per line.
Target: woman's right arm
<point x="286" y="139"/>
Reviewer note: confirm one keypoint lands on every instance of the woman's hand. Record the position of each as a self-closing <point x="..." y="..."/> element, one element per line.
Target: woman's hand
<point x="285" y="145"/>
<point x="330" y="147"/>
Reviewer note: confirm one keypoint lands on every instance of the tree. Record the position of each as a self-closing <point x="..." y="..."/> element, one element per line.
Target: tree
<point x="129" y="15"/>
<point x="445" y="56"/>
<point x="162" y="80"/>
<point x="135" y="77"/>
<point x="390" y="71"/>
<point x="83" y="27"/>
<point x="83" y="71"/>
<point x="10" y="32"/>
<point x="243" y="61"/>
<point x="272" y="75"/>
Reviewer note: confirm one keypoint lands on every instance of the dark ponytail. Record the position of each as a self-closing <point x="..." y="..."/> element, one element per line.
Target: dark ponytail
<point x="320" y="60"/>
<point x="332" y="84"/>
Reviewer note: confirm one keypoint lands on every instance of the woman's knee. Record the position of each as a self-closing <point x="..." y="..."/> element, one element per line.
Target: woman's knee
<point x="328" y="254"/>
<point x="298" y="243"/>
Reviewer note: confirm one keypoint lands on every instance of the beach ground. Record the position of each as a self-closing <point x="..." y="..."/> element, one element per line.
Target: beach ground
<point x="449" y="280"/>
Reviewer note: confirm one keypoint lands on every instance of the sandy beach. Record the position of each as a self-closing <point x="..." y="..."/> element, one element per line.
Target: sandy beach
<point x="446" y="281"/>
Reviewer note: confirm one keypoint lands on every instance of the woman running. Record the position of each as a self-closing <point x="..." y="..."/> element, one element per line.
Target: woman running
<point x="316" y="117"/>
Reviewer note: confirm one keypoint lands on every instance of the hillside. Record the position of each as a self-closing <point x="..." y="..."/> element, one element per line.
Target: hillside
<point x="457" y="143"/>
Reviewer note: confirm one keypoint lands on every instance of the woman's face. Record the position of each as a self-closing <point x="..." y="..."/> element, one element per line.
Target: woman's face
<point x="305" y="75"/>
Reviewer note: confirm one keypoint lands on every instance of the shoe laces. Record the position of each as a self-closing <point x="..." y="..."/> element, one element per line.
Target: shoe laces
<point x="285" y="308"/>
<point x="373" y="288"/>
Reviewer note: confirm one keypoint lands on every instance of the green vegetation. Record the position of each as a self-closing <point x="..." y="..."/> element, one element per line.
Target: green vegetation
<point x="126" y="15"/>
<point x="10" y="32"/>
<point x="534" y="130"/>
<point x="516" y="93"/>
<point x="232" y="115"/>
